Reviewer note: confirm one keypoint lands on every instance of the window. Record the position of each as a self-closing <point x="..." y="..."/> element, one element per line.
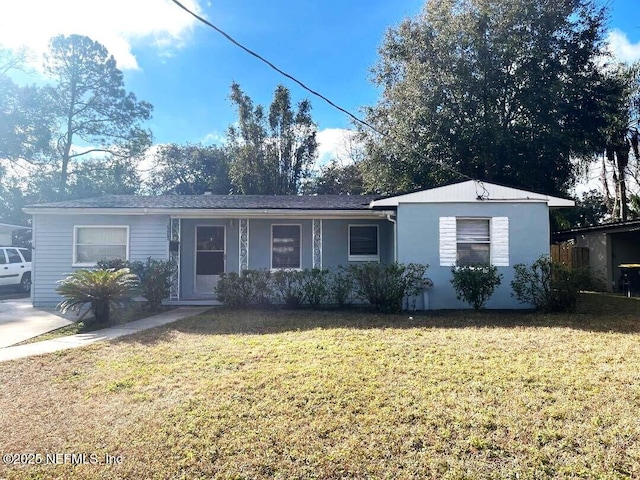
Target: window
<point x="473" y="241"/>
<point x="363" y="243"/>
<point x="92" y="244"/>
<point x="468" y="241"/>
<point x="285" y="246"/>
<point x="13" y="255"/>
<point x="26" y="254"/>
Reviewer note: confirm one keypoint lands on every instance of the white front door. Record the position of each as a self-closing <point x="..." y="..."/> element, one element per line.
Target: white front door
<point x="210" y="257"/>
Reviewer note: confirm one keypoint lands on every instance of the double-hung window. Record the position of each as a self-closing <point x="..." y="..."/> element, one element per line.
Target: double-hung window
<point x="363" y="243"/>
<point x="473" y="239"/>
<point x="94" y="243"/>
<point x="285" y="246"/>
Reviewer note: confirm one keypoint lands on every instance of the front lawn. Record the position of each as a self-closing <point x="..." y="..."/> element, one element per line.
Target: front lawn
<point x="290" y="394"/>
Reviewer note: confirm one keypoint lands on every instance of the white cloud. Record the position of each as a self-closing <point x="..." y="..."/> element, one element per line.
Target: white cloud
<point x="621" y="48"/>
<point x="118" y="24"/>
<point x="335" y="143"/>
<point x="214" y="138"/>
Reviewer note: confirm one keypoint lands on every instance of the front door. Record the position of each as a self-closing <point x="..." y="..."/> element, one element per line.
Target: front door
<point x="210" y="257"/>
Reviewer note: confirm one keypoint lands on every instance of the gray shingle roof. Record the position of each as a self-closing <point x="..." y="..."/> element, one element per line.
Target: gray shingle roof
<point x="244" y="202"/>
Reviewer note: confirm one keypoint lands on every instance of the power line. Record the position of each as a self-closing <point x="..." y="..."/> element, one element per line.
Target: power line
<point x="314" y="92"/>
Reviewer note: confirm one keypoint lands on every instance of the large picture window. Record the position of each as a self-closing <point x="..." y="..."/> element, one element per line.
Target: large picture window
<point x="363" y="243"/>
<point x="94" y="243"/>
<point x="473" y="238"/>
<point x="285" y="246"/>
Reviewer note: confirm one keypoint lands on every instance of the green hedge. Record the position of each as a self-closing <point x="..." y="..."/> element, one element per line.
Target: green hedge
<point x="382" y="286"/>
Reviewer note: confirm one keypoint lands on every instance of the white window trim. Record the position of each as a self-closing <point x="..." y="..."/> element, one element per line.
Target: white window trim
<point x="275" y="269"/>
<point x="499" y="233"/>
<point x="75" y="262"/>
<point x="363" y="258"/>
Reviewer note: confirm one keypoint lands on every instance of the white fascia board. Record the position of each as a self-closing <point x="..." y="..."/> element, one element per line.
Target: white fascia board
<point x="214" y="213"/>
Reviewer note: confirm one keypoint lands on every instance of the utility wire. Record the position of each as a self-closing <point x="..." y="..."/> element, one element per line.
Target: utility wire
<point x="482" y="195"/>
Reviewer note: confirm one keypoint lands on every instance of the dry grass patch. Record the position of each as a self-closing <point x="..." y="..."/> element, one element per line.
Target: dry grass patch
<point x="340" y="395"/>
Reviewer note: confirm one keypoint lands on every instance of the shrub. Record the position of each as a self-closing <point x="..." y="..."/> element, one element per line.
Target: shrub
<point x="114" y="264"/>
<point x="315" y="286"/>
<point x="385" y="286"/>
<point x="474" y="284"/>
<point x="547" y="285"/>
<point x="288" y="287"/>
<point x="234" y="290"/>
<point x="259" y="286"/>
<point x="341" y="287"/>
<point x="102" y="290"/>
<point x="155" y="280"/>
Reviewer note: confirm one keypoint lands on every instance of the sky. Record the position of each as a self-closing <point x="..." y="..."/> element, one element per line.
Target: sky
<point x="185" y="69"/>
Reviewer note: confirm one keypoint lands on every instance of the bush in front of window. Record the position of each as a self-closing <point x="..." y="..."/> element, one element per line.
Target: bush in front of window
<point x="288" y="286"/>
<point x="341" y="287"/>
<point x="475" y="284"/>
<point x="101" y="290"/>
<point x="155" y="277"/>
<point x="386" y="286"/>
<point x="155" y="280"/>
<point x="315" y="286"/>
<point x="547" y="285"/>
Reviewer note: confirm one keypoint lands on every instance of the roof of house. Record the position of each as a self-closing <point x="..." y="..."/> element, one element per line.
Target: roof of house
<point x="8" y="228"/>
<point x="226" y="202"/>
<point x="469" y="191"/>
<point x="472" y="191"/>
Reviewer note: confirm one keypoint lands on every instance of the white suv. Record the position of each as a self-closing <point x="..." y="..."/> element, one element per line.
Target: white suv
<point x="15" y="267"/>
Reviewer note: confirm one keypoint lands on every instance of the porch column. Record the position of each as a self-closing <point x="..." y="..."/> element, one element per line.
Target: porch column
<point x="174" y="257"/>
<point x="317" y="242"/>
<point x="243" y="225"/>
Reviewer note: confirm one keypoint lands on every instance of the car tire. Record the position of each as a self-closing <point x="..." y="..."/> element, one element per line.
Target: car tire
<point x="25" y="283"/>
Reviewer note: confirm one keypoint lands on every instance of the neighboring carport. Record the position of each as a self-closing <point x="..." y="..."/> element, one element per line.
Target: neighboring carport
<point x="610" y="245"/>
<point x="6" y="233"/>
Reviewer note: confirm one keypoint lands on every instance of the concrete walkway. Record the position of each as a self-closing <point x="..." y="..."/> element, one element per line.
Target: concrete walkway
<point x="82" y="339"/>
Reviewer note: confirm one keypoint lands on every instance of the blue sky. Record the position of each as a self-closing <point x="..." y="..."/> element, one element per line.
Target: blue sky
<point x="185" y="69"/>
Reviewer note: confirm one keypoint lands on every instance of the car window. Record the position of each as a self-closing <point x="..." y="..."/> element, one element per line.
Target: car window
<point x="3" y="260"/>
<point x="13" y="256"/>
<point x="26" y="254"/>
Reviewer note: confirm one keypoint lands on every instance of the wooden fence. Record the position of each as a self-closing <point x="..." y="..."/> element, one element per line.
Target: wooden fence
<point x="570" y="255"/>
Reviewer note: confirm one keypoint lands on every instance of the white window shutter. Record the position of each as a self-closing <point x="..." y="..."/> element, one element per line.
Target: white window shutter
<point x="448" y="244"/>
<point x="500" y="241"/>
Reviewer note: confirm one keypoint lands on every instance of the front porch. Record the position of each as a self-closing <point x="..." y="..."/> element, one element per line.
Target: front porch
<point x="204" y="248"/>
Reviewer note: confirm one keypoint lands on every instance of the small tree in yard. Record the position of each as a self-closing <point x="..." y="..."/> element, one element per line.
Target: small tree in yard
<point x="474" y="284"/>
<point x="102" y="290"/>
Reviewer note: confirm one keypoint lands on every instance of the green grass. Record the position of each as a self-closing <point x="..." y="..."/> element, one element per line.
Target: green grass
<point x="289" y="394"/>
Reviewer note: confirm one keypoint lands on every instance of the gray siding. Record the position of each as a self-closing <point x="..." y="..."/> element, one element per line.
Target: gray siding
<point x="418" y="241"/>
<point x="53" y="246"/>
<point x="335" y="241"/>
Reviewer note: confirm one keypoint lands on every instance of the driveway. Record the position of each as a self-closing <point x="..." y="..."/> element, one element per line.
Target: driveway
<point x="20" y="321"/>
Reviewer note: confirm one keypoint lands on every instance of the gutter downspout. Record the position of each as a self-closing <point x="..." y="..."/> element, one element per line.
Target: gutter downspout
<point x="395" y="237"/>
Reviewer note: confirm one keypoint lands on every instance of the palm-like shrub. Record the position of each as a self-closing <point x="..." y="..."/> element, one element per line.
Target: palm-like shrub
<point x="102" y="290"/>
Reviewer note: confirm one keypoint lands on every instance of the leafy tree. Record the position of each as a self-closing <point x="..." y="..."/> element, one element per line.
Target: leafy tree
<point x="621" y="133"/>
<point x="191" y="170"/>
<point x="93" y="111"/>
<point x="497" y="90"/>
<point x="591" y="209"/>
<point x="337" y="179"/>
<point x="25" y="129"/>
<point x="271" y="153"/>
